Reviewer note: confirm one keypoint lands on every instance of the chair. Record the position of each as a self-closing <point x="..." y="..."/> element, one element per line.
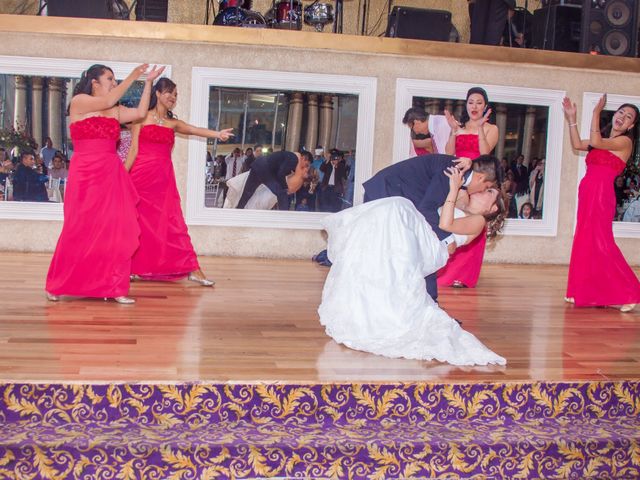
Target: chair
<point x="53" y="190"/>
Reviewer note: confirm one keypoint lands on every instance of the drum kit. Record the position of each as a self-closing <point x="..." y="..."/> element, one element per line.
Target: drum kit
<point x="285" y="14"/>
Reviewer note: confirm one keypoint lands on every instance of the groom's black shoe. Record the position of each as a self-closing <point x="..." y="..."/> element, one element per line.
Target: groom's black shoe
<point x="322" y="259"/>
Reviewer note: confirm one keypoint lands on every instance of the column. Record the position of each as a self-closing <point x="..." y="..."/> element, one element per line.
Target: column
<point x="55" y="113"/>
<point x="20" y="103"/>
<point x="459" y="109"/>
<point x="311" y="138"/>
<point x="432" y="106"/>
<point x="36" y="109"/>
<point x="294" y="122"/>
<point x="448" y="105"/>
<point x="529" y="122"/>
<point x="326" y="115"/>
<point x="501" y="123"/>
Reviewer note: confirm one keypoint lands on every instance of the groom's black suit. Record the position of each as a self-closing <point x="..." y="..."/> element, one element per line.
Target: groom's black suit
<point x="422" y="181"/>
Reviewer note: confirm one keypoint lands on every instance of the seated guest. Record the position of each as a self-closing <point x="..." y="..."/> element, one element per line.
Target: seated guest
<point x="283" y="173"/>
<point x="249" y="157"/>
<point x="28" y="184"/>
<point x="526" y="211"/>
<point x="58" y="168"/>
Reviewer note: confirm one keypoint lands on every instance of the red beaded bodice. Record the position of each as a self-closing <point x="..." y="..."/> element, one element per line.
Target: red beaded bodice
<point x="92" y="128"/>
<point x="467" y="145"/>
<point x="157" y="134"/>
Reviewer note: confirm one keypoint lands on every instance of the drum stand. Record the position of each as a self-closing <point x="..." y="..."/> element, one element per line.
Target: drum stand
<point x="337" y="24"/>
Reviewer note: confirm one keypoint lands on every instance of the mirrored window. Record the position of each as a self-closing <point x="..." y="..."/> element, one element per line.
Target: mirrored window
<point x="267" y="123"/>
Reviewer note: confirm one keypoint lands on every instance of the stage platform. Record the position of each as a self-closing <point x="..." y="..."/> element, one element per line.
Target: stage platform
<point x="240" y="381"/>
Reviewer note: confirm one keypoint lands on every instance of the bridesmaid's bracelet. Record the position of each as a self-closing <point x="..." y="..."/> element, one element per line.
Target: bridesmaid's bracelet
<point x="573" y="124"/>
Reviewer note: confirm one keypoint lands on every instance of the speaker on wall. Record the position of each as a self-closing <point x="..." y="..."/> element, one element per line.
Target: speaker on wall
<point x="152" y="10"/>
<point x="557" y="27"/>
<point x="82" y="9"/>
<point x="419" y="23"/>
<point x="610" y="27"/>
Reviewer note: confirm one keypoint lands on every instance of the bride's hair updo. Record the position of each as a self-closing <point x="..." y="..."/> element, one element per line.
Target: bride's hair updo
<point x="495" y="220"/>
<point x="94" y="72"/>
<point x="163" y="85"/>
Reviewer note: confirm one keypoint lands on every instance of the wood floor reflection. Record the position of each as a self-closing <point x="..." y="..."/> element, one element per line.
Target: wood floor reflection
<point x="260" y="324"/>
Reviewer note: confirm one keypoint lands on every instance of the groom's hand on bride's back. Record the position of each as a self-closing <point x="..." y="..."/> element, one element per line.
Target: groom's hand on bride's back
<point x="463" y="163"/>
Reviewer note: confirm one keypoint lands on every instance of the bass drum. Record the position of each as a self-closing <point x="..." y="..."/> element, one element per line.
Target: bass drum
<point x="239" y="17"/>
<point x="288" y="15"/>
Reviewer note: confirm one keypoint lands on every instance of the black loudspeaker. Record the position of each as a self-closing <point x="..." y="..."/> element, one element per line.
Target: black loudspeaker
<point x="152" y="10"/>
<point x="419" y="23"/>
<point x="610" y="27"/>
<point x="79" y="8"/>
<point x="557" y="27"/>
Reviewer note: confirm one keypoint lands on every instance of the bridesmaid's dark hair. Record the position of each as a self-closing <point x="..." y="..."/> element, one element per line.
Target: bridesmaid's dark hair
<point x="480" y="91"/>
<point x="94" y="72"/>
<point x="161" y="86"/>
<point x="631" y="133"/>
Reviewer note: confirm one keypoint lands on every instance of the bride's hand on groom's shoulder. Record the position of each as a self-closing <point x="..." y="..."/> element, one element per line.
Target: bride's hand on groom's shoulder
<point x="462" y="163"/>
<point x="455" y="178"/>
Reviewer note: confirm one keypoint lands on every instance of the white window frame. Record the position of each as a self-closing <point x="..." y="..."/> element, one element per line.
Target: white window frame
<point x="51" y="67"/>
<point x="407" y="88"/>
<point x="205" y="77"/>
<point x="589" y="101"/>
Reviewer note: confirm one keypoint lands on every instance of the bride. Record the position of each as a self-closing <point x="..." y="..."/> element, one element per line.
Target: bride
<point x="374" y="298"/>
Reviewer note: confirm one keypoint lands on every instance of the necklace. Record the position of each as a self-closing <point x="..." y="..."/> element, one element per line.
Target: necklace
<point x="159" y="121"/>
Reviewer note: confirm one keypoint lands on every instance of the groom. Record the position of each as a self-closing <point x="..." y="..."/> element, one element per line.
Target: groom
<point x="422" y="181"/>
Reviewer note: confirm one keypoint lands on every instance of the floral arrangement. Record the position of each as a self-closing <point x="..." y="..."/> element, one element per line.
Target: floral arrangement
<point x="16" y="137"/>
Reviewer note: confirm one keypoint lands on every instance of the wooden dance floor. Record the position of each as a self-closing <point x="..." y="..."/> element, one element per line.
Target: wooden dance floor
<point x="259" y="323"/>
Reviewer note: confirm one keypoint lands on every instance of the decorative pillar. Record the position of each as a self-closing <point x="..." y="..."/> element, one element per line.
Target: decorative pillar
<point x="460" y="106"/>
<point x="294" y="122"/>
<point x="311" y="138"/>
<point x="529" y="122"/>
<point x="20" y="103"/>
<point x="448" y="105"/>
<point x="36" y="109"/>
<point x="432" y="106"/>
<point x="55" y="114"/>
<point x="335" y="123"/>
<point x="501" y="123"/>
<point x="326" y="115"/>
<point x="541" y="136"/>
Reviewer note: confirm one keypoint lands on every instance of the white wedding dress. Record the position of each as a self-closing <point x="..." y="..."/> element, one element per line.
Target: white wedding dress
<point x="374" y="298"/>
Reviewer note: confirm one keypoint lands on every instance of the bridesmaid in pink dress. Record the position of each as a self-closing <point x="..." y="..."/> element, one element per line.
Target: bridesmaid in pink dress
<point x="100" y="230"/>
<point x="165" y="251"/>
<point x="598" y="273"/>
<point x="473" y="137"/>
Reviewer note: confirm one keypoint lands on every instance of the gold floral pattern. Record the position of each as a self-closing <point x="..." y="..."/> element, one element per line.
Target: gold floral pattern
<point x="354" y="431"/>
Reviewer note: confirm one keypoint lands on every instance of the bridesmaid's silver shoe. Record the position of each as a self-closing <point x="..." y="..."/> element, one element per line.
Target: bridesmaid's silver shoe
<point x="205" y="282"/>
<point x="570" y="300"/>
<point x="52" y="298"/>
<point x="134" y="278"/>
<point x="122" y="300"/>
<point x="627" y="307"/>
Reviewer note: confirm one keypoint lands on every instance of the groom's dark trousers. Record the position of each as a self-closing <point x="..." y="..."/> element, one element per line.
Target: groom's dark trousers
<point x="422" y="181"/>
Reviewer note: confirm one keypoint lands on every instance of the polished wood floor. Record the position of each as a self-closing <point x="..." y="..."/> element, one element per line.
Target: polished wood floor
<point x="259" y="323"/>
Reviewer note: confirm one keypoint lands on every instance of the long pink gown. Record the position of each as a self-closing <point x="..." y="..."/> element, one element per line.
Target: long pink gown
<point x="598" y="273"/>
<point x="100" y="230"/>
<point x="165" y="252"/>
<point x="466" y="262"/>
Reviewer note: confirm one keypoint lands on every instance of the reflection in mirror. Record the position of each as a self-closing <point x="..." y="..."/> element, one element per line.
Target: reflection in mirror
<point x="253" y="171"/>
<point x="521" y="146"/>
<point x="627" y="184"/>
<point x="35" y="145"/>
